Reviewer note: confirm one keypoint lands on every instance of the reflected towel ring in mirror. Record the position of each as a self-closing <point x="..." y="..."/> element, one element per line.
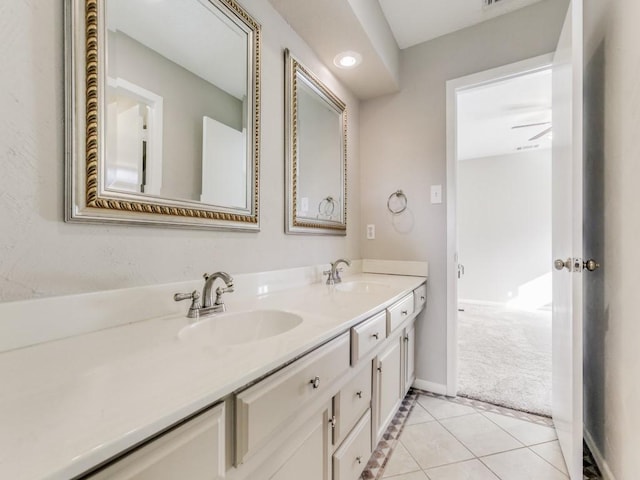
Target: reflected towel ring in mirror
<point x="326" y="207"/>
<point x="397" y="202"/>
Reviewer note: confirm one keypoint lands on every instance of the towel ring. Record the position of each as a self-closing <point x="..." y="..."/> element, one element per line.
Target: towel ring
<point x="327" y="206"/>
<point x="399" y="204"/>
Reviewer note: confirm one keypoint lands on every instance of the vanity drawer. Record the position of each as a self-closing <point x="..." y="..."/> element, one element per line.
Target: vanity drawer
<point x="351" y="458"/>
<point x="399" y="312"/>
<point x="195" y="449"/>
<point x="367" y="335"/>
<point x="419" y="297"/>
<point x="351" y="402"/>
<point x="262" y="408"/>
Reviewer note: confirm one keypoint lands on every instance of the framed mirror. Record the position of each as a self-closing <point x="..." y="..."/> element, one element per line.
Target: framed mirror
<point x="163" y="112"/>
<point x="316" y="138"/>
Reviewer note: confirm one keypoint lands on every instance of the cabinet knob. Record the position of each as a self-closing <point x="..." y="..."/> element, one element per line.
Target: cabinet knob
<point x="375" y="335"/>
<point x="380" y="369"/>
<point x="359" y="460"/>
<point x="406" y="339"/>
<point x="359" y="394"/>
<point x="315" y="381"/>
<point x="421" y="297"/>
<point x="404" y="312"/>
<point x="333" y="421"/>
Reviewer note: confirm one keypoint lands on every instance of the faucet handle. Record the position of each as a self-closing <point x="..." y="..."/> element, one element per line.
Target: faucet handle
<point x="220" y="291"/>
<point x="195" y="307"/>
<point x="194" y="296"/>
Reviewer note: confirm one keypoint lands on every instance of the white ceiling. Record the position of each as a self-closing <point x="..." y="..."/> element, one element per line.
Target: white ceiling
<point x="195" y="35"/>
<point x="487" y="114"/>
<point x="416" y="21"/>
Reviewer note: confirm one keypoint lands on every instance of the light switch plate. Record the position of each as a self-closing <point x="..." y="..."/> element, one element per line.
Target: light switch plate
<point x="436" y="193"/>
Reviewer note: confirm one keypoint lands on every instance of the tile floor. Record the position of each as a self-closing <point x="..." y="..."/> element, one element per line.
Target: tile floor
<point x="460" y="439"/>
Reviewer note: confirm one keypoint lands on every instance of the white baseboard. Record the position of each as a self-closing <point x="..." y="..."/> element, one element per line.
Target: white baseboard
<point x="598" y="457"/>
<point x="432" y="387"/>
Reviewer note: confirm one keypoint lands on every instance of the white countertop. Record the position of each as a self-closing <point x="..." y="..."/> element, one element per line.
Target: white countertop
<point x="70" y="404"/>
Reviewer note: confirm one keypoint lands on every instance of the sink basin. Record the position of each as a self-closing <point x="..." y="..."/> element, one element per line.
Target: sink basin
<point x="239" y="327"/>
<point x="362" y="287"/>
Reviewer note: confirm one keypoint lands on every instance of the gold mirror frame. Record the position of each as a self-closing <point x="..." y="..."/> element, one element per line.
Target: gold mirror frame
<point x="302" y="225"/>
<point x="85" y="79"/>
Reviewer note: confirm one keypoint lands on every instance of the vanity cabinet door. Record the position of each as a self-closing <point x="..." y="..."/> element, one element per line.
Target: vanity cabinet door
<point x="410" y="356"/>
<point x="264" y="408"/>
<point x="420" y="297"/>
<point x="389" y="385"/>
<point x="310" y="459"/>
<point x="351" y="402"/>
<point x="399" y="312"/>
<point x="351" y="458"/>
<point x="367" y="336"/>
<point x="194" y="450"/>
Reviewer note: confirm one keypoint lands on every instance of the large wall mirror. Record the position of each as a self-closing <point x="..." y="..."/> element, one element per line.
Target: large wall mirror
<point x="163" y="113"/>
<point x="316" y="130"/>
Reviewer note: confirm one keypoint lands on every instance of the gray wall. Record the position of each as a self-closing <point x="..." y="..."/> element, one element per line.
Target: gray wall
<point x="612" y="231"/>
<point x="186" y="99"/>
<point x="40" y="255"/>
<point x="504" y="224"/>
<point x="404" y="146"/>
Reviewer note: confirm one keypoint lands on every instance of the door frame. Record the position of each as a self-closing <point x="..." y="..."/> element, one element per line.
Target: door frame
<point x="455" y="86"/>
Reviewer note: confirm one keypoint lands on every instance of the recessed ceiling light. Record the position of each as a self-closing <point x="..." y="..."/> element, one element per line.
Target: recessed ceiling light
<point x="347" y="59"/>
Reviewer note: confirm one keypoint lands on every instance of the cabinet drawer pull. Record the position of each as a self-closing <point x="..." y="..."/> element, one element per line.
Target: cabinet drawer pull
<point x="404" y="312"/>
<point x="359" y="459"/>
<point x="315" y="382"/>
<point x="359" y="394"/>
<point x="332" y="422"/>
<point x="421" y="297"/>
<point x="375" y="335"/>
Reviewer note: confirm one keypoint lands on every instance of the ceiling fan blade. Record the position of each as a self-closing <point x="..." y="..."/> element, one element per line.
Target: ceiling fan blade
<point x="541" y="134"/>
<point x="531" y="125"/>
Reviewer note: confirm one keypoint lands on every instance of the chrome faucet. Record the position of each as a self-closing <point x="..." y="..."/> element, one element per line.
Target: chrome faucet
<point x="208" y="306"/>
<point x="333" y="275"/>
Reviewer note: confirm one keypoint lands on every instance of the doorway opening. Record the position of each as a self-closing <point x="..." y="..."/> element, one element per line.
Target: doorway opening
<point x="499" y="228"/>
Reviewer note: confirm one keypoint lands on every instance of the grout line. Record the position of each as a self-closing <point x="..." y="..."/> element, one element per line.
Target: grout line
<point x="545" y="458"/>
<point x="505" y="431"/>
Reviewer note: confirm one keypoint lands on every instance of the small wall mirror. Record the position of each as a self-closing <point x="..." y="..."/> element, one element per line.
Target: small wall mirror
<point x="163" y="113"/>
<point x="316" y="126"/>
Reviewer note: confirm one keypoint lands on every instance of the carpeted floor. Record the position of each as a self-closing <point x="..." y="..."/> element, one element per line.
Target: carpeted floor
<point x="504" y="357"/>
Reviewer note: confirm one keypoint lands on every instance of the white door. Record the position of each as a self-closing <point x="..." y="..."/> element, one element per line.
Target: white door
<point x="567" y="239"/>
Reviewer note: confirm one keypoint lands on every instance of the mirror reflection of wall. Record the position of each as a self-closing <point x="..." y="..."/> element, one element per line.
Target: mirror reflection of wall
<point x="316" y="135"/>
<point x="164" y="77"/>
<point x="319" y="156"/>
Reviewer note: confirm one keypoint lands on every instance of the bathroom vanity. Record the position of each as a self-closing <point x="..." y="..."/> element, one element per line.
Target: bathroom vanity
<point x="164" y="398"/>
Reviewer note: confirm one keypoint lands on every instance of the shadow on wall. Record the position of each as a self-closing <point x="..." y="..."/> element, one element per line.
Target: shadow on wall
<point x="403" y="222"/>
<point x="596" y="313"/>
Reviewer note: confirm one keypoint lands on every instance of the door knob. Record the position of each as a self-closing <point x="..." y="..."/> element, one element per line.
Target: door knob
<point x="560" y="264"/>
<point x="591" y="265"/>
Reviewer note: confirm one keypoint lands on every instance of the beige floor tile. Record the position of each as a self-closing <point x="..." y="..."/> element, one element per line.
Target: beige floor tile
<point x="442" y="408"/>
<point x="431" y="445"/>
<point x="419" y="415"/>
<point x="526" y="432"/>
<point x="400" y="462"/>
<point x="419" y="475"/>
<point x="521" y="464"/>
<point x="469" y="470"/>
<point x="551" y="453"/>
<point x="480" y="435"/>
